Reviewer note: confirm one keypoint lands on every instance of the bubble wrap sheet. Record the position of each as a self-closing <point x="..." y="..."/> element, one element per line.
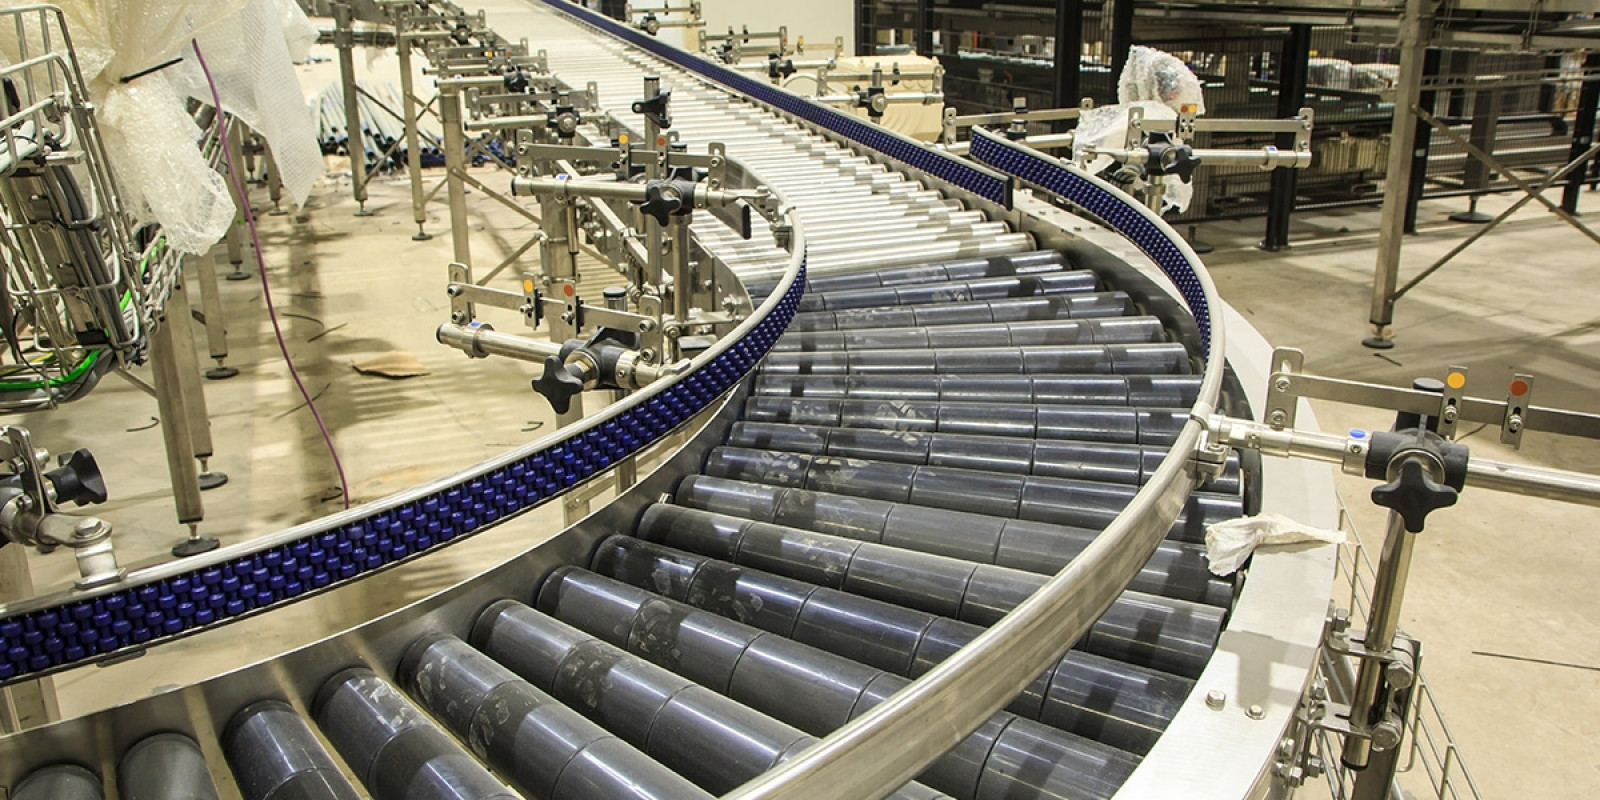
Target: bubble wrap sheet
<point x="149" y="135"/>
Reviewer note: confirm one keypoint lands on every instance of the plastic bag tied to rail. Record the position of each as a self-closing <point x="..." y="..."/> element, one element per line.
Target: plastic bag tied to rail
<point x="1161" y="85"/>
<point x="149" y="135"/>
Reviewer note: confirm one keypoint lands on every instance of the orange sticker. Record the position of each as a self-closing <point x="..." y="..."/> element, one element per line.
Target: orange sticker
<point x="1456" y="380"/>
<point x="567" y="290"/>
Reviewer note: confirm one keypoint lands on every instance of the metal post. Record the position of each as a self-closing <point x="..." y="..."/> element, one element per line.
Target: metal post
<point x="1382" y="623"/>
<point x="1485" y="119"/>
<point x="274" y="184"/>
<point x="682" y="281"/>
<point x="191" y="390"/>
<point x="1421" y="143"/>
<point x="1293" y="71"/>
<point x="1412" y="45"/>
<point x="176" y="432"/>
<point x="866" y="34"/>
<point x="344" y="39"/>
<point x="922" y="35"/>
<point x="1121" y="40"/>
<point x="408" y="107"/>
<point x="216" y="331"/>
<point x="455" y="155"/>
<point x="1582" y="133"/>
<point x="1068" y="89"/>
<point x="235" y="236"/>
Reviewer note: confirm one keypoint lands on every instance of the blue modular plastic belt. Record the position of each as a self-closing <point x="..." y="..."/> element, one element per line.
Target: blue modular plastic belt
<point x="1125" y="217"/>
<point x="50" y="639"/>
<point x="963" y="173"/>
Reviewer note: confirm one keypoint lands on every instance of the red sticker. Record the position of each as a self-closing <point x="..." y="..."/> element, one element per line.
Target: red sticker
<point x="567" y="289"/>
<point x="1519" y="388"/>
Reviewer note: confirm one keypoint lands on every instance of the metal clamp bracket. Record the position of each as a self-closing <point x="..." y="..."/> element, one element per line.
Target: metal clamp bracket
<point x="1289" y="383"/>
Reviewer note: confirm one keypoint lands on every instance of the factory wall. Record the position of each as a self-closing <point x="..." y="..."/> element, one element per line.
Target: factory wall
<point x="817" y="20"/>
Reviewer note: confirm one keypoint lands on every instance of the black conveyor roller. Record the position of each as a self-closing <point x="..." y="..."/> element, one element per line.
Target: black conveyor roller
<point x="1177" y="569"/>
<point x="58" y="782"/>
<point x="817" y="691"/>
<point x="1113" y="390"/>
<point x="275" y="756"/>
<point x="166" y="766"/>
<point x="1048" y="333"/>
<point x="1147" y="426"/>
<point x="396" y="751"/>
<point x="543" y="747"/>
<point x="966" y="269"/>
<point x="1090" y="305"/>
<point x="954" y="291"/>
<point x="705" y="736"/>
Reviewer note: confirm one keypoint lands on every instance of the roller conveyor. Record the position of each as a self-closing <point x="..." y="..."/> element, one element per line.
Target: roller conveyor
<point x="1149" y="426"/>
<point x="953" y="416"/>
<point x="1177" y="569"/>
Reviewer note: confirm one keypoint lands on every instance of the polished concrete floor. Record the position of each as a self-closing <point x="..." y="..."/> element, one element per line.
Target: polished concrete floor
<point x="1501" y="590"/>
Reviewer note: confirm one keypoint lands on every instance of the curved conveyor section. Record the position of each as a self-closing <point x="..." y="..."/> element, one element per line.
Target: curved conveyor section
<point x="951" y="418"/>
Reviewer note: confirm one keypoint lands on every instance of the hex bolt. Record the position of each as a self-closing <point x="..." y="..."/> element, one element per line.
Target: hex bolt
<point x="88" y="529"/>
<point x="1216" y="699"/>
<point x="1256" y="712"/>
<point x="1385" y="735"/>
<point x="1398" y="674"/>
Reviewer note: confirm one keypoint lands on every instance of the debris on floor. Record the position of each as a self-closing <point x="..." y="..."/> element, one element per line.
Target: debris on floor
<point x="393" y="364"/>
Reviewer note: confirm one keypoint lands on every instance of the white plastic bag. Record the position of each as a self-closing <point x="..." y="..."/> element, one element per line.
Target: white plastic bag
<point x="1229" y="543"/>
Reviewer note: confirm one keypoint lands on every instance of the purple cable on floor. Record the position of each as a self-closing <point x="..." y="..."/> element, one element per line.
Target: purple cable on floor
<point x="266" y="288"/>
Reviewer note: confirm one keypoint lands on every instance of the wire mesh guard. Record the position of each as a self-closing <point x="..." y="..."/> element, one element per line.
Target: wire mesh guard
<point x="1432" y="764"/>
<point x="82" y="290"/>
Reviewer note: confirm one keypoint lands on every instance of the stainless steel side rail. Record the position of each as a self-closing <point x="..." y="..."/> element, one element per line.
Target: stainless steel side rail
<point x="892" y="743"/>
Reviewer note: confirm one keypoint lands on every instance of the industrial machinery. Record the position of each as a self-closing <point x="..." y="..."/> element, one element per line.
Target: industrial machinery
<point x="86" y="290"/>
<point x="932" y="528"/>
<point x="1152" y="148"/>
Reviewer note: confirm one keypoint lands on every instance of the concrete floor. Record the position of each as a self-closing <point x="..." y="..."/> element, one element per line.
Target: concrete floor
<point x="1497" y="579"/>
<point x="1496" y="575"/>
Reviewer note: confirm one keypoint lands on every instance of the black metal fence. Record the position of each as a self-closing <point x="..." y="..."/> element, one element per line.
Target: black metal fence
<point x="1519" y="108"/>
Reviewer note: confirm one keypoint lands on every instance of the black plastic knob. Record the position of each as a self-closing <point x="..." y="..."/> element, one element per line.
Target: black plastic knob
<point x="78" y="480"/>
<point x="1414" y="494"/>
<point x="558" y="384"/>
<point x="1180" y="161"/>
<point x="516" y="81"/>
<point x="660" y="201"/>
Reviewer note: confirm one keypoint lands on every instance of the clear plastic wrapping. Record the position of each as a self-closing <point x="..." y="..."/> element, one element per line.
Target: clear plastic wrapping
<point x="1152" y="75"/>
<point x="1161" y="85"/>
<point x="150" y="137"/>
